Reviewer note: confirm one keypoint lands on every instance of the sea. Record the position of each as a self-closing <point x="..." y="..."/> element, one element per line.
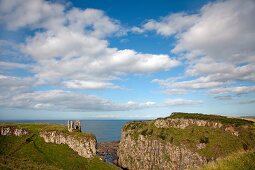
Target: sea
<point x="105" y="130"/>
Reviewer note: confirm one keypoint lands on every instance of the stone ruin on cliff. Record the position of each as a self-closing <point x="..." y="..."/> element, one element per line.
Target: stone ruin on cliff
<point x="74" y="126"/>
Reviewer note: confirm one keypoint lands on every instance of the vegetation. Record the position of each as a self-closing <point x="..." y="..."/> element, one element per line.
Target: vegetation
<point x="31" y="152"/>
<point x="215" y="118"/>
<point x="219" y="143"/>
<point x="237" y="161"/>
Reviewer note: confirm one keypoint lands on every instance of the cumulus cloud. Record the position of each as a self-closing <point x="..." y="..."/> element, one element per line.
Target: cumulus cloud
<point x="17" y="13"/>
<point x="223" y="32"/>
<point x="217" y="44"/>
<point x="71" y="46"/>
<point x="68" y="49"/>
<point x="75" y="56"/>
<point x="169" y="25"/>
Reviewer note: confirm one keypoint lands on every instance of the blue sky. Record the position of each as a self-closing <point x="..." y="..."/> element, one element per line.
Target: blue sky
<point x="126" y="59"/>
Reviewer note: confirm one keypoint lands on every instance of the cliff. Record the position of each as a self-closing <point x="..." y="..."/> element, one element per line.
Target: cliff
<point x="84" y="145"/>
<point x="182" y="141"/>
<point x="13" y="130"/>
<point x="146" y="153"/>
<point x="23" y="148"/>
<point x="183" y="123"/>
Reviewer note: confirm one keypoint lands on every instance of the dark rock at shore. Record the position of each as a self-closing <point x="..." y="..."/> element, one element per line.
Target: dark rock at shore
<point x="108" y="151"/>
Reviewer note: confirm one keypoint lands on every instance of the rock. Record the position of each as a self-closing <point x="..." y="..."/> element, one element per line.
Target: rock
<point x="145" y="154"/>
<point x="12" y="130"/>
<point x="108" y="151"/>
<point x="232" y="130"/>
<point x="183" y="123"/>
<point x="201" y="146"/>
<point x="84" y="146"/>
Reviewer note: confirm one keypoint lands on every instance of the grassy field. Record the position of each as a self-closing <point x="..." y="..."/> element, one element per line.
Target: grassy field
<point x="31" y="152"/>
<point x="219" y="143"/>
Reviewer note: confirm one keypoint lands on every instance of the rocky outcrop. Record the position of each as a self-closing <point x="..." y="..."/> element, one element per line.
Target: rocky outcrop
<point x="12" y="130"/>
<point x="145" y="154"/>
<point x="108" y="151"/>
<point x="181" y="123"/>
<point x="84" y="146"/>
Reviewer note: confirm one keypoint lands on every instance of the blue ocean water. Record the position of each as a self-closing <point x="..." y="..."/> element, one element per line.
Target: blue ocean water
<point x="105" y="130"/>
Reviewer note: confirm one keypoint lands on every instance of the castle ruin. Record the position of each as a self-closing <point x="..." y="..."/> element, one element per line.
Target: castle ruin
<point x="74" y="126"/>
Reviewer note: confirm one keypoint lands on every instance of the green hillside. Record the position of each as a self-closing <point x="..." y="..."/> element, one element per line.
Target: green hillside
<point x="31" y="152"/>
<point x="218" y="142"/>
<point x="236" y="161"/>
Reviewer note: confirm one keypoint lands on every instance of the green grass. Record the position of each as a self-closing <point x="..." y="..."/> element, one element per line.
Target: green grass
<point x="215" y="118"/>
<point x="236" y="161"/>
<point x="31" y="152"/>
<point x="218" y="142"/>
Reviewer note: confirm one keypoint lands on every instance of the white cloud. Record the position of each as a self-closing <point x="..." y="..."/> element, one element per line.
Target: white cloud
<point x="235" y="90"/>
<point x="177" y="102"/>
<point x="16" y="92"/>
<point x="169" y="25"/>
<point x="76" y="56"/>
<point x="92" y="22"/>
<point x="69" y="48"/>
<point x="70" y="45"/>
<point x="172" y="91"/>
<point x="66" y="100"/>
<point x="180" y="87"/>
<point x="11" y="65"/>
<point x="17" y="13"/>
<point x="217" y="45"/>
<point x="79" y="84"/>
<point x="11" y="86"/>
<point x="223" y="32"/>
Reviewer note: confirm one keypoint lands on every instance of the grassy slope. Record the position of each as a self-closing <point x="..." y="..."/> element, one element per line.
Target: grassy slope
<point x="31" y="152"/>
<point x="219" y="142"/>
<point x="236" y="161"/>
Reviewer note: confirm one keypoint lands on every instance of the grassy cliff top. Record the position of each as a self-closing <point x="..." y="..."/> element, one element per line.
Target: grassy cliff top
<point x="237" y="161"/>
<point x="218" y="141"/>
<point x="36" y="127"/>
<point x="31" y="152"/>
<point x="213" y="118"/>
<point x="41" y="127"/>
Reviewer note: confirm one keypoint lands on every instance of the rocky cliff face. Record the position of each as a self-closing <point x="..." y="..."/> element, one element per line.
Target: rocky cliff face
<point x="145" y="153"/>
<point x="184" y="123"/>
<point x="84" y="146"/>
<point x="12" y="130"/>
<point x="182" y="141"/>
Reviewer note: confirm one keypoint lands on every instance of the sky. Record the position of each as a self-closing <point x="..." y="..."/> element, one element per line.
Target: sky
<point x="126" y="59"/>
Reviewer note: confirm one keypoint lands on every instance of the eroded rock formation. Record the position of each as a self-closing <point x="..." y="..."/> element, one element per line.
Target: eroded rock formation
<point x="84" y="146"/>
<point x="184" y="123"/>
<point x="12" y="130"/>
